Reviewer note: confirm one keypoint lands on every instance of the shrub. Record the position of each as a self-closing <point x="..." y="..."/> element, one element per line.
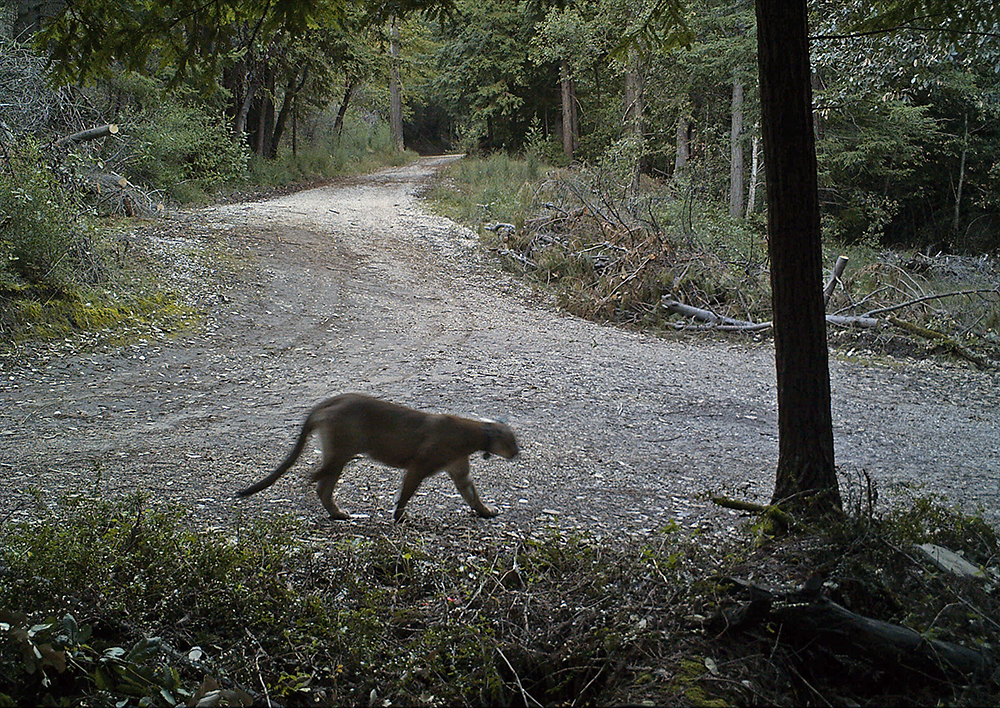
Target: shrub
<point x="39" y="239"/>
<point x="185" y="149"/>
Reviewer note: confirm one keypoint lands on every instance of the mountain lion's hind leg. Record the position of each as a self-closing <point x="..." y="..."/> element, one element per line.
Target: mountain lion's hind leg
<point x="459" y="473"/>
<point x="326" y="480"/>
<point x="411" y="480"/>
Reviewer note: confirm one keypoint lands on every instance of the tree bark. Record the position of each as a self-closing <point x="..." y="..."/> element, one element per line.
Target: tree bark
<point x="754" y="172"/>
<point x="338" y="124"/>
<point x="634" y="107"/>
<point x="568" y="110"/>
<point x="249" y="87"/>
<point x="295" y="85"/>
<point x="265" y="112"/>
<point x="736" y="151"/>
<point x="806" y="619"/>
<point x="961" y="179"/>
<point x="683" y="143"/>
<point x="395" y="92"/>
<point x="83" y="136"/>
<point x="805" y="471"/>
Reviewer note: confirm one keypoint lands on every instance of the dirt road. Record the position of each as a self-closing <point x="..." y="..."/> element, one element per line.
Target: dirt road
<point x="355" y="287"/>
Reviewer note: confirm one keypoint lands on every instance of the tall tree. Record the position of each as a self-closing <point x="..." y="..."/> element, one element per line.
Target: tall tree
<point x="805" y="473"/>
<point x="395" y="88"/>
<point x="566" y="37"/>
<point x="736" y="149"/>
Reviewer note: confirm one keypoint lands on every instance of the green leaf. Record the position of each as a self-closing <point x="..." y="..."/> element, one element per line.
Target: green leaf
<point x="144" y="649"/>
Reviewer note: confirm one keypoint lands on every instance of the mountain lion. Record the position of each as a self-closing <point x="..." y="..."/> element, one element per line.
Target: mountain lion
<point x="420" y="443"/>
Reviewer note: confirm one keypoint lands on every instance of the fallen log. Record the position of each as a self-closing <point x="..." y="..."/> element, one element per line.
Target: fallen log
<point x="101" y="131"/>
<point x="809" y="618"/>
<point x="721" y="321"/>
<point x="729" y="324"/>
<point x="955" y="347"/>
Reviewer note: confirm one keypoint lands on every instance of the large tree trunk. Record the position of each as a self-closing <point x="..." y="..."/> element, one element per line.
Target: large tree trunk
<point x="338" y="124"/>
<point x="634" y="107"/>
<point x="736" y="151"/>
<point x="805" y="472"/>
<point x="242" y="87"/>
<point x="265" y="113"/>
<point x="569" y="138"/>
<point x="683" y="143"/>
<point x="295" y="85"/>
<point x="395" y="92"/>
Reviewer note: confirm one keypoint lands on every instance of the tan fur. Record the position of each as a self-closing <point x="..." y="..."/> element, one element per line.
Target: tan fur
<point x="420" y="443"/>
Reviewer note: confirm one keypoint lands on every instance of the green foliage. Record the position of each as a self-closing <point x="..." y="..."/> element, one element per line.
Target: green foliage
<point x="878" y="145"/>
<point x="483" y="75"/>
<point x="498" y="188"/>
<point x="388" y="612"/>
<point x="608" y="252"/>
<point x="57" y="653"/>
<point x="120" y="563"/>
<point x="40" y="243"/>
<point x="907" y="134"/>
<point x="107" y="601"/>
<point x="185" y="149"/>
<point x="930" y="518"/>
<point x="363" y="147"/>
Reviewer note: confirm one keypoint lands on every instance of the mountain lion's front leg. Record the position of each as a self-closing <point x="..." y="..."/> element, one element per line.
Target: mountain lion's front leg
<point x="459" y="473"/>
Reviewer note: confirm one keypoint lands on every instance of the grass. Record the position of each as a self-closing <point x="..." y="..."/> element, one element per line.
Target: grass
<point x="498" y="188"/>
<point x="611" y="252"/>
<point x="362" y="148"/>
<point x="122" y="600"/>
<point x="66" y="275"/>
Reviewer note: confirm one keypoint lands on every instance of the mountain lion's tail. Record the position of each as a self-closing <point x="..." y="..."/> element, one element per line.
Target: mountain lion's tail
<point x="300" y="444"/>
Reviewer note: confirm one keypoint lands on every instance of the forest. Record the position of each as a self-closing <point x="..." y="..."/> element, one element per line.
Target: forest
<point x="906" y="128"/>
<point x="621" y="158"/>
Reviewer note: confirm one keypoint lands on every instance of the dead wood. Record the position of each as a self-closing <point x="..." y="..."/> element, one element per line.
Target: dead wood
<point x="770" y="511"/>
<point x="838" y="270"/>
<point x="717" y="321"/>
<point x="101" y="131"/>
<point x="118" y="195"/>
<point x="955" y="347"/>
<point x="729" y="324"/>
<point x="808" y="618"/>
<point x="927" y="298"/>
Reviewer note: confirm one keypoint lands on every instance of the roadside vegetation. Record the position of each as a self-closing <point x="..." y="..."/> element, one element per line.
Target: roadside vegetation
<point x="83" y="253"/>
<point x="116" y="602"/>
<point x="614" y="250"/>
<point x="110" y="601"/>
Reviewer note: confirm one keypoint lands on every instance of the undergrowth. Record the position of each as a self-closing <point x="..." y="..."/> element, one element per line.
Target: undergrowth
<point x="613" y="252"/>
<point x="361" y="148"/>
<point x="72" y="270"/>
<point x="110" y="601"/>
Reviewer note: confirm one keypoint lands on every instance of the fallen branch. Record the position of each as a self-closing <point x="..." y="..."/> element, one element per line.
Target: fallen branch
<point x="770" y="511"/>
<point x="838" y="270"/>
<point x="808" y="618"/>
<point x="626" y="279"/>
<point x="525" y="262"/>
<point x="720" y="321"/>
<point x="955" y="347"/>
<point x="728" y="324"/>
<point x="852" y="321"/>
<point x="85" y="135"/>
<point x="926" y="298"/>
